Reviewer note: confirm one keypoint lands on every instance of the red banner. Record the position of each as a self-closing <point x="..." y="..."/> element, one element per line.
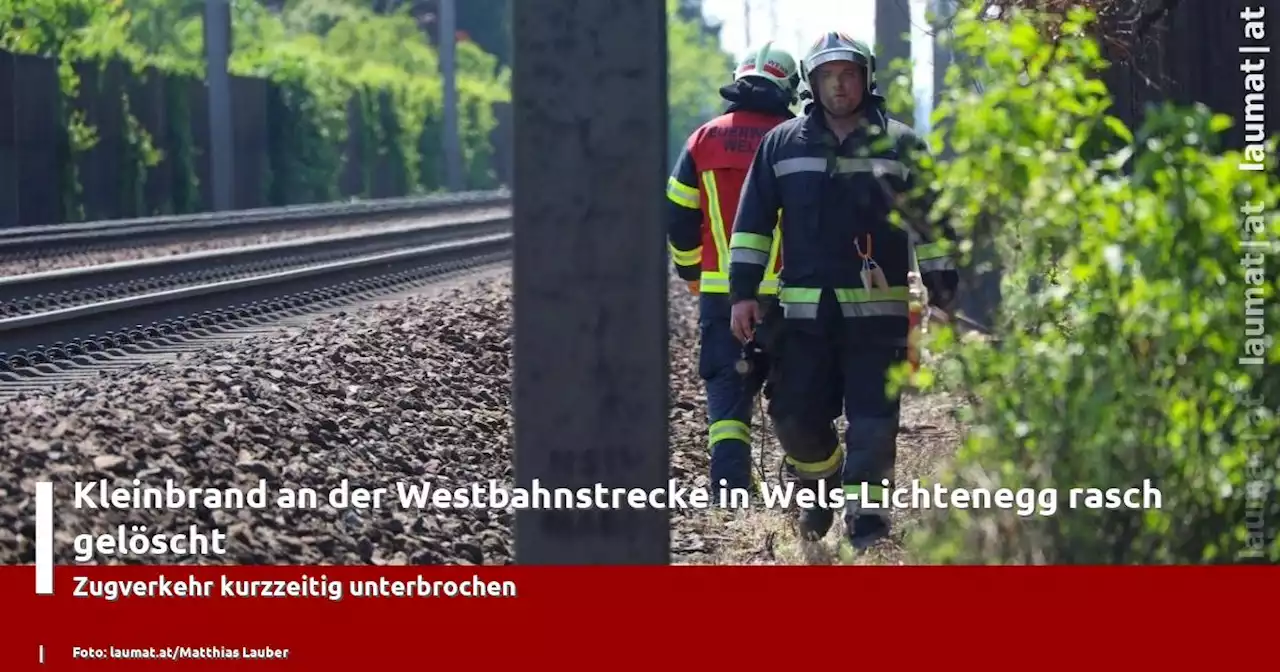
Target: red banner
<point x="364" y="618"/>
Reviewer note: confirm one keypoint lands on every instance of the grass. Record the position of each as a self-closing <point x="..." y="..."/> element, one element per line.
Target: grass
<point x="927" y="440"/>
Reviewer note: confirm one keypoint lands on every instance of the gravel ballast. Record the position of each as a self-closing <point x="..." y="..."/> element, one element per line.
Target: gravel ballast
<point x="411" y="390"/>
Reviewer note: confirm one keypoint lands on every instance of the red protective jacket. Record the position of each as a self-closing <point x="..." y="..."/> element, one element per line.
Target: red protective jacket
<point x="703" y="193"/>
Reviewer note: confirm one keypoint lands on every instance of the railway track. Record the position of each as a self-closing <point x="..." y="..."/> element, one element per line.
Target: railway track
<point x="62" y="325"/>
<point x="43" y="242"/>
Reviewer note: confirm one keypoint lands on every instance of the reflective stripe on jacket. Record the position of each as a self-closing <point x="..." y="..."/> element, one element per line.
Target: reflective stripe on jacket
<point x="703" y="191"/>
<point x="836" y="200"/>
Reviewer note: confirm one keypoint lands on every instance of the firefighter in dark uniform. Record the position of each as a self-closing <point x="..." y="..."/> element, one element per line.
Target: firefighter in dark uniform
<point x="837" y="173"/>
<point x="702" y="194"/>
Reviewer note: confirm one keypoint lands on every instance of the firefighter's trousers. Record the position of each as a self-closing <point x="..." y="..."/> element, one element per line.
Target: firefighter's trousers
<point x="728" y="405"/>
<point x="823" y="368"/>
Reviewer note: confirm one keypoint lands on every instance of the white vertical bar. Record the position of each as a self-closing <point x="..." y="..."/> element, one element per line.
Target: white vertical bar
<point x="42" y="654"/>
<point x="44" y="540"/>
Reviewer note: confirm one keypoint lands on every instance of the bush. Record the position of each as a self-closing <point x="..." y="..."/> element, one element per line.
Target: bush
<point x="323" y="58"/>
<point x="1127" y="275"/>
<point x="78" y="31"/>
<point x="326" y="56"/>
<point x="696" y="69"/>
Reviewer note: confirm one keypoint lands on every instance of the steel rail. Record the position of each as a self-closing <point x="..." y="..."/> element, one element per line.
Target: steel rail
<point x="57" y="239"/>
<point x="49" y="341"/>
<point x="63" y="288"/>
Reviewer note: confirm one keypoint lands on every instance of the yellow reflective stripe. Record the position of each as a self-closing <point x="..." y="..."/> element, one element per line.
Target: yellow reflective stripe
<point x="818" y="470"/>
<point x="872" y="492"/>
<point x="774" y="249"/>
<point x="728" y="430"/>
<point x="802" y="302"/>
<point x="752" y="241"/>
<point x="717" y="222"/>
<point x="771" y="273"/>
<point x="762" y="250"/>
<point x="800" y="295"/>
<point x="870" y="295"/>
<point x="714" y="282"/>
<point x="928" y="251"/>
<point x="876" y="493"/>
<point x="686" y="257"/>
<point x="809" y="311"/>
<point x="844" y="295"/>
<point x="682" y="194"/>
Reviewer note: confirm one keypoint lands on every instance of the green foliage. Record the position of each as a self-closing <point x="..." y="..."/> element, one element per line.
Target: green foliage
<point x="896" y="85"/>
<point x="329" y="56"/>
<point x="308" y="103"/>
<point x="696" y="69"/>
<point x="323" y="59"/>
<point x="1127" y="277"/>
<point x="76" y="31"/>
<point x="140" y="155"/>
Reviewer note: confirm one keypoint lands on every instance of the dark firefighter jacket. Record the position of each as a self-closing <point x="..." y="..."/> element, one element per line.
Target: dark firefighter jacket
<point x="703" y="193"/>
<point x="836" y="201"/>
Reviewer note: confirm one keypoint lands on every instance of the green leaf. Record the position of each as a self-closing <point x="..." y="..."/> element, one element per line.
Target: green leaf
<point x="1116" y="126"/>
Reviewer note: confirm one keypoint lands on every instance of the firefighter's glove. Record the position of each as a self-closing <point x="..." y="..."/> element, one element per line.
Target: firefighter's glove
<point x="695" y="287"/>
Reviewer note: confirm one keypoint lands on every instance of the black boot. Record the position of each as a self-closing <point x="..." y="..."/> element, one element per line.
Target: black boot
<point x="865" y="529"/>
<point x="815" y="521"/>
<point x="870" y="465"/>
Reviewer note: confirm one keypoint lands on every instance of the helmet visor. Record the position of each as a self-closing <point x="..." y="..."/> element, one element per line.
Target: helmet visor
<point x="832" y="56"/>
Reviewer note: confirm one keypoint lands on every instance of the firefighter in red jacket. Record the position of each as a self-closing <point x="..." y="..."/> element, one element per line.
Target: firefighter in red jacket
<point x="703" y="193"/>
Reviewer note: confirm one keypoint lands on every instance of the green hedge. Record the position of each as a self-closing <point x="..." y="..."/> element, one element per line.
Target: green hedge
<point x="382" y="65"/>
<point x="321" y="58"/>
